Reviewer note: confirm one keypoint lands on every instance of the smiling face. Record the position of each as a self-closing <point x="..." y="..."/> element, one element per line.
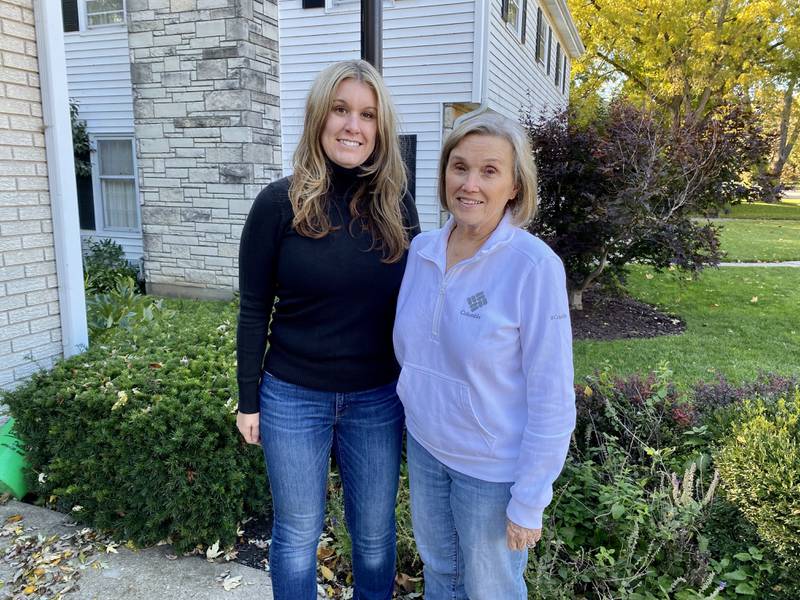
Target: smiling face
<point x="351" y="128"/>
<point x="479" y="182"/>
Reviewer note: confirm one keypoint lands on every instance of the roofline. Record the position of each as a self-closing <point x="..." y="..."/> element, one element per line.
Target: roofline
<point x="565" y="25"/>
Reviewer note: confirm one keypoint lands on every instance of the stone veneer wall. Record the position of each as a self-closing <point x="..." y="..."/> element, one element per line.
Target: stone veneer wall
<point x="30" y="325"/>
<point x="205" y="83"/>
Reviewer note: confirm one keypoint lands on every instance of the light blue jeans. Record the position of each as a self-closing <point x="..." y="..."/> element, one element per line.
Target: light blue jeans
<point x="460" y="528"/>
<point x="298" y="427"/>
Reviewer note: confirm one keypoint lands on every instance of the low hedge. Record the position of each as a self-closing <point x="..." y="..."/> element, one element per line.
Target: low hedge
<point x="760" y="467"/>
<point x="138" y="436"/>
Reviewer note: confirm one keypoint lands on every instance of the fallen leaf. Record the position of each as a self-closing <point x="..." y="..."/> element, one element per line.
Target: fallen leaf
<point x="14" y="518"/>
<point x="587" y="391"/>
<point x="232" y="583"/>
<point x="214" y="552"/>
<point x="648" y="275"/>
<point x="326" y="572"/>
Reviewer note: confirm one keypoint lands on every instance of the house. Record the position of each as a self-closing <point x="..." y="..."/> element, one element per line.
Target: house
<point x="184" y="94"/>
<point x="180" y="99"/>
<point x="42" y="309"/>
<point x="441" y="59"/>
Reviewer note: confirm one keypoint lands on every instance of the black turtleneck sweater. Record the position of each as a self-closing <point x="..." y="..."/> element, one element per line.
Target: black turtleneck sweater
<point x="331" y="328"/>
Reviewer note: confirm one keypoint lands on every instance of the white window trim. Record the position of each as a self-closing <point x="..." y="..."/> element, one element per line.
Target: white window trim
<point x="100" y="227"/>
<point x="516" y="28"/>
<point x="330" y="6"/>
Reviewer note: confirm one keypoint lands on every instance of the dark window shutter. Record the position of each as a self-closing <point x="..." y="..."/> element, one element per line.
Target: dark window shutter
<point x="85" y="202"/>
<point x="549" y="48"/>
<point x="558" y="64"/>
<point x="524" y="20"/>
<point x="539" y="34"/>
<point x="69" y="13"/>
<point x="564" y="76"/>
<point x="313" y="3"/>
<point x="504" y="10"/>
<point x="408" y="150"/>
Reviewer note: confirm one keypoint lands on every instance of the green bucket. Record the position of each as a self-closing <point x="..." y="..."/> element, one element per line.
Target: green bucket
<point x="12" y="462"/>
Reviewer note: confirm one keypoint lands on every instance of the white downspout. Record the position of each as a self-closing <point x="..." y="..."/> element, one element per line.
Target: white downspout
<point x="61" y="174"/>
<point x="480" y="80"/>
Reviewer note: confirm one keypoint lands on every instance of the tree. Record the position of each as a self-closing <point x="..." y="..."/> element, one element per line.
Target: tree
<point x="686" y="57"/>
<point x="625" y="187"/>
<point x="779" y="87"/>
<point x="80" y="142"/>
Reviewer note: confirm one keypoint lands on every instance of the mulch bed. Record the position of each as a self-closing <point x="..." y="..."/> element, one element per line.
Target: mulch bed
<point x="607" y="317"/>
<point x="252" y="548"/>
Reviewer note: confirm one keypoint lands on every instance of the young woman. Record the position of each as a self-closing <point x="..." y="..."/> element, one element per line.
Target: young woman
<point x="330" y="244"/>
<point x="483" y="337"/>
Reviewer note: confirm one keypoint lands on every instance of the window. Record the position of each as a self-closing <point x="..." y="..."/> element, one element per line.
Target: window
<point x="549" y="48"/>
<point x="558" y="64"/>
<point x="80" y="15"/>
<point x="117" y="184"/>
<point x="512" y="14"/>
<point x="313" y="3"/>
<point x="104" y="12"/>
<point x="540" y="39"/>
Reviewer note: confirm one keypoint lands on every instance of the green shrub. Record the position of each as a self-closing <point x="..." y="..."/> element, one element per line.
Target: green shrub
<point x="104" y="265"/>
<point x="121" y="307"/>
<point x="138" y="436"/>
<point x="760" y="466"/>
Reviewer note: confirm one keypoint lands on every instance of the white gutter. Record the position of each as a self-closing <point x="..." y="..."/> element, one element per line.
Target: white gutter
<point x="565" y="25"/>
<point x="61" y="174"/>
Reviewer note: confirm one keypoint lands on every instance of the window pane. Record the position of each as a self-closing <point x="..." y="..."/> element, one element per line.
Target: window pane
<point x="513" y="11"/>
<point x="96" y="6"/>
<point x="105" y="12"/>
<point x="116" y="157"/>
<point x="119" y="204"/>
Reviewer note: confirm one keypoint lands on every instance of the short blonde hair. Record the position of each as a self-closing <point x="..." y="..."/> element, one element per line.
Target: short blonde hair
<point x="377" y="203"/>
<point x="523" y="206"/>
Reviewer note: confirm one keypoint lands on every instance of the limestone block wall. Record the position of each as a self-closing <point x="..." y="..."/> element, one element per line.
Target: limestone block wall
<point x="30" y="327"/>
<point x="205" y="83"/>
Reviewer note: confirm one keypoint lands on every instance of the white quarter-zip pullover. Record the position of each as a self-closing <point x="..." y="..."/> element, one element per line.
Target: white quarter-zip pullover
<point x="486" y="356"/>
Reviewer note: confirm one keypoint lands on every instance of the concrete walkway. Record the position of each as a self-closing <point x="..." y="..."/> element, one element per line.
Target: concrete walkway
<point x="150" y="574"/>
<point x="787" y="263"/>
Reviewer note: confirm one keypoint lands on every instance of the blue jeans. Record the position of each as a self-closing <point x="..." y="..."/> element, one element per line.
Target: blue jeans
<point x="298" y="427"/>
<point x="460" y="528"/>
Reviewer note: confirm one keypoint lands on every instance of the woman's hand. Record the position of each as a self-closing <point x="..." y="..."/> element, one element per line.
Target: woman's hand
<point x="521" y="538"/>
<point x="248" y="427"/>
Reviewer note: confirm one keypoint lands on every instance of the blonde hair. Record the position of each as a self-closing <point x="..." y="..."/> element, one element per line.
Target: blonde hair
<point x="377" y="201"/>
<point x="523" y="206"/>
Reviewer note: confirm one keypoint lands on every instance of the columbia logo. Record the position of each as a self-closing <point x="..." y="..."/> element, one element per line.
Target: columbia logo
<point x="477" y="301"/>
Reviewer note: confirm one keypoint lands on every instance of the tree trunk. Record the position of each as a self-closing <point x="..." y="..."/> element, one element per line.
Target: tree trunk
<point x="576" y="299"/>
<point x="786" y="139"/>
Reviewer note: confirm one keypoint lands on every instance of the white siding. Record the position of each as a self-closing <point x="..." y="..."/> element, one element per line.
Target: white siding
<point x="427" y="61"/>
<point x="516" y="79"/>
<point x="99" y="78"/>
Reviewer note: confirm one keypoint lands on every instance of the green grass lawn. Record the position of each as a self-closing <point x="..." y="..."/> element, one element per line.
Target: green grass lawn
<point x="749" y="240"/>
<point x="739" y="321"/>
<point x="787" y="209"/>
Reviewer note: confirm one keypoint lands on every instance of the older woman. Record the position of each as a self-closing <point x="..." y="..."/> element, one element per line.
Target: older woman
<point x="330" y="243"/>
<point x="482" y="334"/>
